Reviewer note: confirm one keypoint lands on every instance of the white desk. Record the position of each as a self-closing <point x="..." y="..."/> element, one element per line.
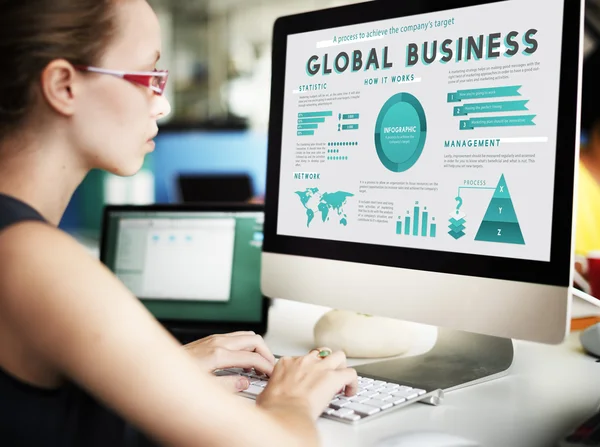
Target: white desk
<point x="549" y="390"/>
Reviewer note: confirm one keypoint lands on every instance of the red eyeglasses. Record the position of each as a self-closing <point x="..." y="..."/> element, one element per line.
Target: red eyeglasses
<point x="155" y="80"/>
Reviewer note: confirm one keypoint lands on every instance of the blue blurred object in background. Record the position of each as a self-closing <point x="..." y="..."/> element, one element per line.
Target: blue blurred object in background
<point x="207" y="152"/>
<point x="178" y="151"/>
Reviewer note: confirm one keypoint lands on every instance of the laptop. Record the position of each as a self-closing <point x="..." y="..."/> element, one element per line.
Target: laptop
<point x="196" y="267"/>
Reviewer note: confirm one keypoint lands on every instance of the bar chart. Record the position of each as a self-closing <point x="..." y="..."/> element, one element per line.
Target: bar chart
<point x="419" y="224"/>
<point x="308" y="122"/>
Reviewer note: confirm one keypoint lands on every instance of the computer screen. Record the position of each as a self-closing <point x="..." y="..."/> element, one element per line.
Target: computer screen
<point x="435" y="140"/>
<point x="463" y="124"/>
<point x="189" y="265"/>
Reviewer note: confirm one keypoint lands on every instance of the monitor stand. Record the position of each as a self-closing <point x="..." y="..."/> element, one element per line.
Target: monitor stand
<point x="458" y="359"/>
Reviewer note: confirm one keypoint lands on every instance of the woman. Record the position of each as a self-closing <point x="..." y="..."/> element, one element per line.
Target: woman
<point x="71" y="335"/>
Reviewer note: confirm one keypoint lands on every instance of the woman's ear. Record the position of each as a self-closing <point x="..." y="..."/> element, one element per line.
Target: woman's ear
<point x="57" y="86"/>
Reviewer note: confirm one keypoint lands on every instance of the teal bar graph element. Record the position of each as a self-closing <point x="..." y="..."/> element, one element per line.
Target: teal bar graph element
<point x="314" y="114"/>
<point x="416" y="225"/>
<point x="311" y="120"/>
<point x="350" y="127"/>
<point x="433" y="230"/>
<point x="500" y="223"/>
<point x="481" y="93"/>
<point x="420" y="220"/>
<point x="308" y="122"/>
<point x="350" y="116"/>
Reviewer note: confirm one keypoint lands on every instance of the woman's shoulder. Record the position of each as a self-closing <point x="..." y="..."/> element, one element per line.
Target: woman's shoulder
<point x="13" y="211"/>
<point x="30" y="238"/>
<point x="37" y="259"/>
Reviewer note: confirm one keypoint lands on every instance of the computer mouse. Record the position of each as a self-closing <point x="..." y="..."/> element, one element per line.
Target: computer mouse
<point x="426" y="439"/>
<point x="590" y="340"/>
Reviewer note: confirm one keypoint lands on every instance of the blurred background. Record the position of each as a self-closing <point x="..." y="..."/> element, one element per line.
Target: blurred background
<point x="213" y="146"/>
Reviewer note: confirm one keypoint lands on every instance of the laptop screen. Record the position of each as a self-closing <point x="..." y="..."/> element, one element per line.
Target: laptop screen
<point x="189" y="265"/>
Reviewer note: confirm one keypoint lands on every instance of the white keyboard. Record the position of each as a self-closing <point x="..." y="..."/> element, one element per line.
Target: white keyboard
<point x="374" y="397"/>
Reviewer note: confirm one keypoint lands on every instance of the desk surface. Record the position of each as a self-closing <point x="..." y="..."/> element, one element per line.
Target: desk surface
<point x="548" y="391"/>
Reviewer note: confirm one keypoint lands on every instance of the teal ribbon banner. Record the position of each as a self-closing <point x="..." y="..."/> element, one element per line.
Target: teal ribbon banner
<point x="498" y="121"/>
<point x="491" y="107"/>
<point x="479" y="93"/>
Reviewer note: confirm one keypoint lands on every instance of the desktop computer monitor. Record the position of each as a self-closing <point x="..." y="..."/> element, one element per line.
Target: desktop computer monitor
<point x="421" y="162"/>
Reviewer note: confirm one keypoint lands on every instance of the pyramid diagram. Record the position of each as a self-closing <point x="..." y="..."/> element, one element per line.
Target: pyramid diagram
<point x="500" y="223"/>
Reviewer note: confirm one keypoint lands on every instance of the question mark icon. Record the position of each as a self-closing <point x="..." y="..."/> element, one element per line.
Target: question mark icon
<point x="460" y="202"/>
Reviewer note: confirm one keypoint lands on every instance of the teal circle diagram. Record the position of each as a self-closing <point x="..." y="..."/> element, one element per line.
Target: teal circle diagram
<point x="400" y="132"/>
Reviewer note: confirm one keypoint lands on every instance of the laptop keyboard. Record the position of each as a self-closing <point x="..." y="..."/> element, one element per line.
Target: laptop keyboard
<point x="374" y="397"/>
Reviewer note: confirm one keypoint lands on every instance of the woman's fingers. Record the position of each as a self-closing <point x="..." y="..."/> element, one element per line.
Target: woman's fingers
<point x="335" y="360"/>
<point x="225" y="358"/>
<point x="247" y="342"/>
<point x="235" y="384"/>
<point x="347" y="378"/>
<point x="235" y="334"/>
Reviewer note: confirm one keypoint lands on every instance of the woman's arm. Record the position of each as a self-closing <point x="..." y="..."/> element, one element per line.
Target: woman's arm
<point x="78" y="317"/>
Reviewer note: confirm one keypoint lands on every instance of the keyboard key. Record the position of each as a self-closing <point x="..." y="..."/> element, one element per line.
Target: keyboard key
<point x="398" y="400"/>
<point x="378" y="389"/>
<point x="225" y="372"/>
<point x="254" y="390"/>
<point x="352" y="417"/>
<point x="342" y="412"/>
<point x="370" y="394"/>
<point x="328" y="411"/>
<point x="362" y="409"/>
<point x="359" y="399"/>
<point x="338" y="403"/>
<point x="407" y="394"/>
<point x="382" y="405"/>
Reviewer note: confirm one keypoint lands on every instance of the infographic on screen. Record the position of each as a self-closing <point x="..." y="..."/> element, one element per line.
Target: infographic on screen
<point x="433" y="132"/>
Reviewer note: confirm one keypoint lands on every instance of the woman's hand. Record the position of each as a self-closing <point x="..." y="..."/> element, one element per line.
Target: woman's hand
<point x="236" y="350"/>
<point x="310" y="382"/>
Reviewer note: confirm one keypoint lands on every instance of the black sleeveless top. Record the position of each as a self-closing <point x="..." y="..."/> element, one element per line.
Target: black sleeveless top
<point x="66" y="416"/>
